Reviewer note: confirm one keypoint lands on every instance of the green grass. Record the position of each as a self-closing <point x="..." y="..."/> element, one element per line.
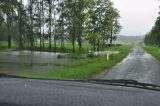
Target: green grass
<point x="153" y="50"/>
<point x="5" y="44"/>
<point x="82" y="69"/>
<point x="67" y="47"/>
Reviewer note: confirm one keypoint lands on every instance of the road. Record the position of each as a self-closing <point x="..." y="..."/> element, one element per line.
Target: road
<point x="30" y="92"/>
<point x="139" y="66"/>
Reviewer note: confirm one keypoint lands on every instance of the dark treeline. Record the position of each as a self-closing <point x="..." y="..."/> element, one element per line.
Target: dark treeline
<point x="54" y="22"/>
<point x="153" y="37"/>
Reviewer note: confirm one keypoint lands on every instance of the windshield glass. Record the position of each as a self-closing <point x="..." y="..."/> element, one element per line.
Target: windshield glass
<point x="80" y="39"/>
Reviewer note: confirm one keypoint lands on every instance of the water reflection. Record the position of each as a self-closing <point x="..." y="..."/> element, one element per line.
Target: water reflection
<point x="30" y="61"/>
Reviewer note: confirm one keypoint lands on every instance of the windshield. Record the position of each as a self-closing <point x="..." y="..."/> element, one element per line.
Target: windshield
<point x="80" y="40"/>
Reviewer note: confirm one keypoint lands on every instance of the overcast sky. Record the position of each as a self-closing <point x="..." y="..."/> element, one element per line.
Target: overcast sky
<point x="137" y="16"/>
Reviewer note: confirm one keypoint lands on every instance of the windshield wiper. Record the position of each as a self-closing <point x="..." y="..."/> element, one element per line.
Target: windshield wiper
<point x="126" y="83"/>
<point x="119" y="82"/>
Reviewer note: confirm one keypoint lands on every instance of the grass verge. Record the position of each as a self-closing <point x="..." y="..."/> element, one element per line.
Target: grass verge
<point x="82" y="69"/>
<point x="153" y="50"/>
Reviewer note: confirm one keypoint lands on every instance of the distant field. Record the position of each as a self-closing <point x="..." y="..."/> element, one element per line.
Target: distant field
<point x="129" y="39"/>
<point x="82" y="69"/>
<point x="5" y="45"/>
<point x="67" y="47"/>
<point x="153" y="50"/>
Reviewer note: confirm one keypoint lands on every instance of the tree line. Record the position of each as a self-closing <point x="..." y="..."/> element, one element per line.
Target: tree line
<point x="153" y="37"/>
<point x="30" y="22"/>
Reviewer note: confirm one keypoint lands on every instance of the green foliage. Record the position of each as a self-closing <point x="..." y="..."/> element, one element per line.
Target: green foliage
<point x="91" y="55"/>
<point x="58" y="21"/>
<point x="153" y="37"/>
<point x="3" y="32"/>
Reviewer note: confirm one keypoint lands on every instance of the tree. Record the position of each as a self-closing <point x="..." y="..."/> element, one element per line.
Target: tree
<point x="102" y="23"/>
<point x="153" y="37"/>
<point x="31" y="24"/>
<point x="20" y="13"/>
<point x="49" y="21"/>
<point x="115" y="27"/>
<point x="8" y="8"/>
<point x="71" y="21"/>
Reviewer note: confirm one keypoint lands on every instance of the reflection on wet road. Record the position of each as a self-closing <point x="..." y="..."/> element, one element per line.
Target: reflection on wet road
<point x="138" y="66"/>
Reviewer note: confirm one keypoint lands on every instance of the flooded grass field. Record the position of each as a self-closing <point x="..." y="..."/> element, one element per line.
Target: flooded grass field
<point x="15" y="61"/>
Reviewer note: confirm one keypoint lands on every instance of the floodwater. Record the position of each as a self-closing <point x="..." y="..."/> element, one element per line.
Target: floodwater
<point x="15" y="61"/>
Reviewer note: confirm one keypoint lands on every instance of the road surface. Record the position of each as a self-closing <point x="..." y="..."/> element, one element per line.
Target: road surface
<point x="138" y="66"/>
<point x="29" y="92"/>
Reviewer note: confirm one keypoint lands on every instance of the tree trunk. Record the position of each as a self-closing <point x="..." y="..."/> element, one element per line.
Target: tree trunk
<point x="62" y="28"/>
<point x="73" y="43"/>
<point x="73" y="39"/>
<point x="9" y="30"/>
<point x="98" y="48"/>
<point x="31" y="27"/>
<point x="43" y="39"/>
<point x="94" y="45"/>
<point x="20" y="26"/>
<point x="9" y="40"/>
<point x="50" y="23"/>
<point x="79" y="37"/>
<point x="111" y="37"/>
<point x="55" y="44"/>
<point x="40" y="25"/>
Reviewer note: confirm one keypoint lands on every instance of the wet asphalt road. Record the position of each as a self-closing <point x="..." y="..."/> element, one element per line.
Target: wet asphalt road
<point x="30" y="92"/>
<point x="139" y="66"/>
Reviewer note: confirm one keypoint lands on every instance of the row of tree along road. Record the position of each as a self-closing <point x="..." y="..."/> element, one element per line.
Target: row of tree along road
<point x="153" y="37"/>
<point x="32" y="22"/>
